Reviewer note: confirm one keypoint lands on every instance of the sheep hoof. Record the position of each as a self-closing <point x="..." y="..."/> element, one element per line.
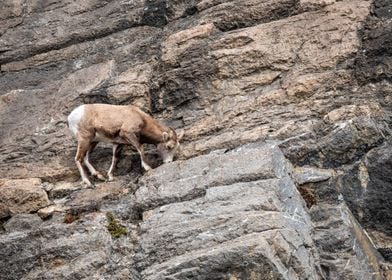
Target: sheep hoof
<point x="146" y="167"/>
<point x="100" y="176"/>
<point x="87" y="183"/>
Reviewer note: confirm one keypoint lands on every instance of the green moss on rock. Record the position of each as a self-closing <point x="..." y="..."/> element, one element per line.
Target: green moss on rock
<point x="114" y="227"/>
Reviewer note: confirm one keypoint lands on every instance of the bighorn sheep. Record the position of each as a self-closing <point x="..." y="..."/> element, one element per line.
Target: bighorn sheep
<point x="119" y="125"/>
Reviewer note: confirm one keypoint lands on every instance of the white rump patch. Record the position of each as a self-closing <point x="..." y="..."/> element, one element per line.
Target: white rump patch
<point x="74" y="119"/>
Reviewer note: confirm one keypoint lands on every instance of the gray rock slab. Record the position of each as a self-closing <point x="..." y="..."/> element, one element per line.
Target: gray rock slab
<point x="247" y="219"/>
<point x="183" y="180"/>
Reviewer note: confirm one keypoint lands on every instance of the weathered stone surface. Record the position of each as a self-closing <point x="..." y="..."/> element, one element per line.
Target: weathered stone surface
<point x="191" y="73"/>
<point x="21" y="222"/>
<point x="102" y="18"/>
<point x="198" y="174"/>
<point x="83" y="249"/>
<point x="207" y="234"/>
<point x="314" y="75"/>
<point x="227" y="214"/>
<point x="212" y="237"/>
<point x="91" y="199"/>
<point x="343" y="143"/>
<point x="344" y="248"/>
<point x="133" y="85"/>
<point x="62" y="189"/>
<point x="21" y="196"/>
<point x="48" y="212"/>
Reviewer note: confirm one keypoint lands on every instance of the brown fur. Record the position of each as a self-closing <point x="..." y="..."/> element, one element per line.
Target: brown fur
<point x="118" y="125"/>
<point x="116" y="121"/>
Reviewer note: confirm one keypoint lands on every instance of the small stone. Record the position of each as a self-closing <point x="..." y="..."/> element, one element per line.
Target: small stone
<point x="303" y="175"/>
<point x="63" y="189"/>
<point x="22" y="222"/>
<point x="47" y="212"/>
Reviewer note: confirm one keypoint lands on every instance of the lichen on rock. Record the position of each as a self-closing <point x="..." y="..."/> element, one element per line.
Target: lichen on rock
<point x="114" y="227"/>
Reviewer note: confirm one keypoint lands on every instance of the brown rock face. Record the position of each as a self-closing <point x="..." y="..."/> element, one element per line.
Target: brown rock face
<point x="21" y="196"/>
<point x="281" y="77"/>
<point x="313" y="77"/>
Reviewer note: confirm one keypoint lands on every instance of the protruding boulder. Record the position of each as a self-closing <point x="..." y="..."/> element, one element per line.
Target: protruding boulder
<point x="21" y="196"/>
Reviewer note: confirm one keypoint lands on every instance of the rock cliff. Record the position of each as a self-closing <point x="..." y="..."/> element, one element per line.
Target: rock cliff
<point x="285" y="167"/>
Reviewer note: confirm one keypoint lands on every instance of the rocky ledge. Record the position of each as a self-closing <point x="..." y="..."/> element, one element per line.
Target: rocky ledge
<point x="231" y="214"/>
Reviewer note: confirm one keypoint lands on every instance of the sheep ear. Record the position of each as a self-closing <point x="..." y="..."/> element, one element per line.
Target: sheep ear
<point x="180" y="134"/>
<point x="165" y="136"/>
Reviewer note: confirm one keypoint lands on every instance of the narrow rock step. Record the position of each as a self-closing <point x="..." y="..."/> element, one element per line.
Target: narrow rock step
<point x="185" y="180"/>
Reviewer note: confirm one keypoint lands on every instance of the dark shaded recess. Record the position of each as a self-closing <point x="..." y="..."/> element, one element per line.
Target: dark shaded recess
<point x="178" y="85"/>
<point x="306" y="157"/>
<point x="378" y="199"/>
<point x="352" y="191"/>
<point x="321" y="192"/>
<point x="190" y="11"/>
<point x="237" y="20"/>
<point x="308" y="194"/>
<point x="342" y="157"/>
<point x="2" y="223"/>
<point x="374" y="65"/>
<point x="372" y="206"/>
<point x="156" y="13"/>
<point x="386" y="253"/>
<point x="383" y="8"/>
<point x="374" y="60"/>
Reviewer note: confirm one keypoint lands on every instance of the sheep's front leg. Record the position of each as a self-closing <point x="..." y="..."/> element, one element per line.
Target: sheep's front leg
<point x="144" y="164"/>
<point x="134" y="141"/>
<point x="116" y="152"/>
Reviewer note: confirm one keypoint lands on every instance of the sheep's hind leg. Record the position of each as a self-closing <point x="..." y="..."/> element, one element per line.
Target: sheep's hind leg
<point x="83" y="147"/>
<point x="90" y="167"/>
<point x="116" y="152"/>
